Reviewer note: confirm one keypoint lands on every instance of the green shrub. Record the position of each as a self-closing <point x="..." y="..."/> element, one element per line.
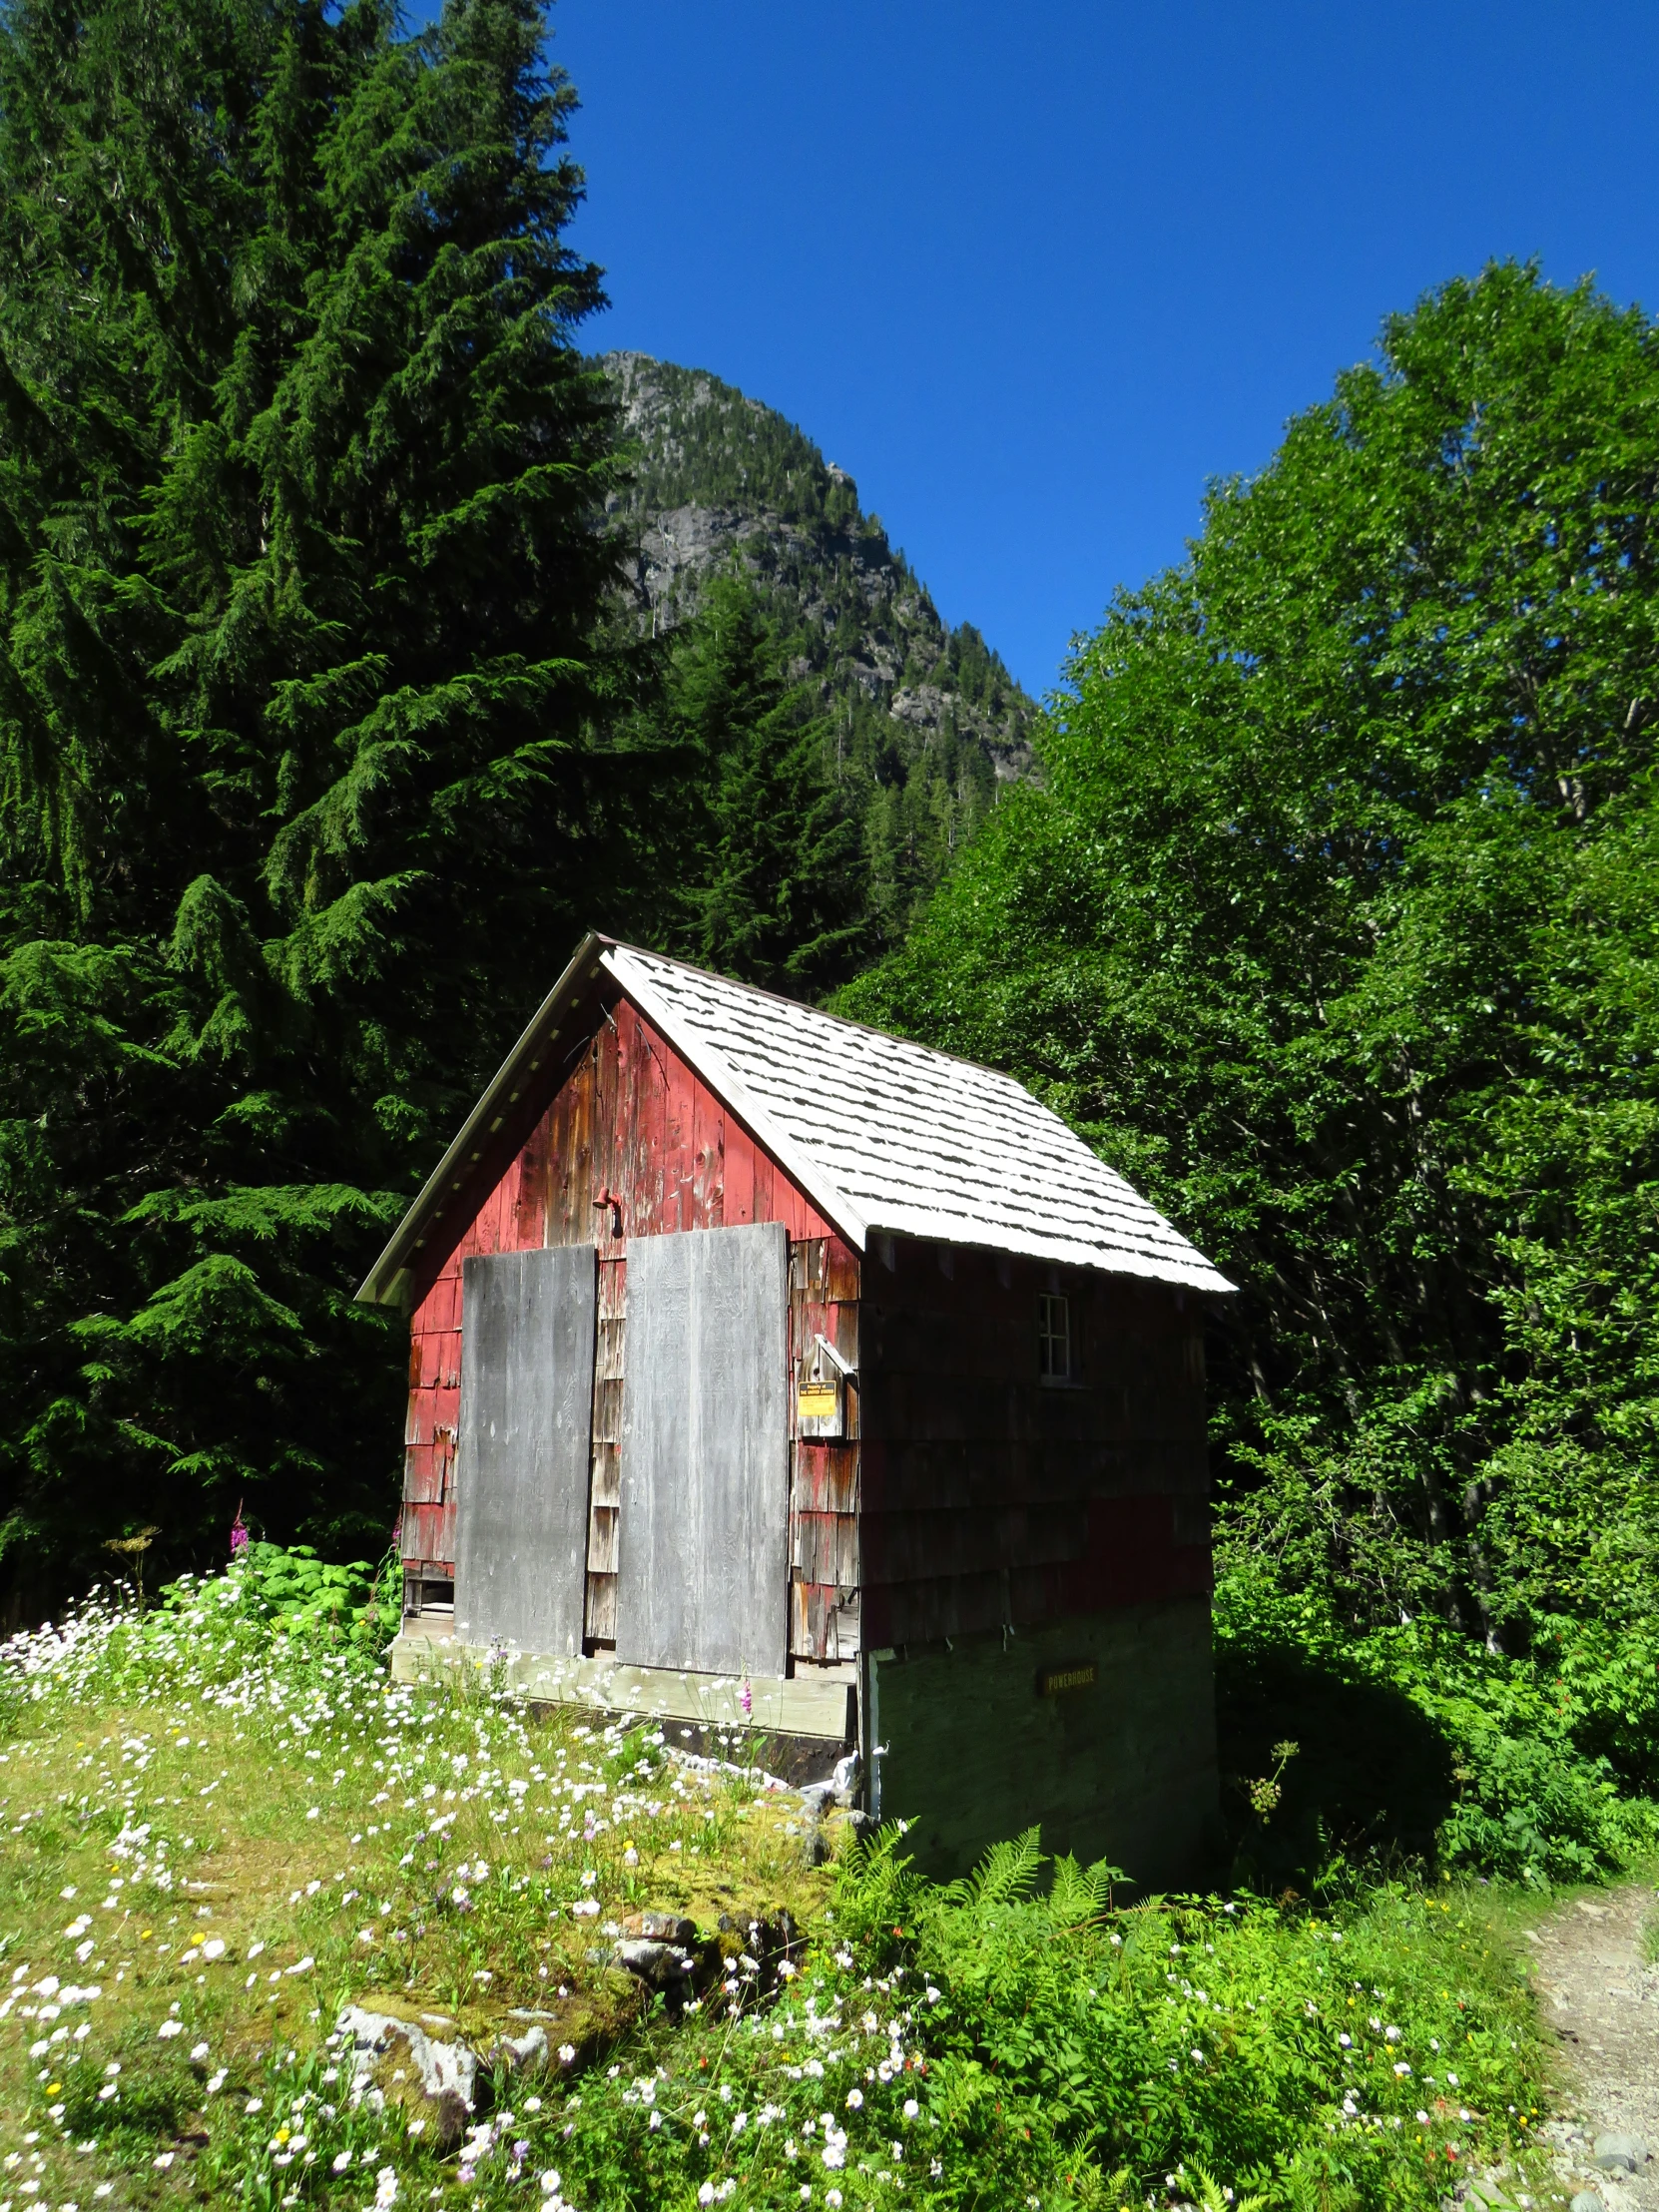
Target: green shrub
<point x="306" y="1595"/>
<point x="274" y="1609"/>
<point x="1356" y="2060"/>
<point x="1415" y="1746"/>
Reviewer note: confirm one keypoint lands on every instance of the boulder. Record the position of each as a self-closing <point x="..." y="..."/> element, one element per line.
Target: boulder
<point x="440" y="2078"/>
<point x="662" y="1965"/>
<point x="1619" y="2154"/>
<point x="661" y="1927"/>
<point x="521" y="2054"/>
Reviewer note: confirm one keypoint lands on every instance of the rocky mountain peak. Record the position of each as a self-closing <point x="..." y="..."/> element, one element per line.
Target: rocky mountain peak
<point x="719" y="478"/>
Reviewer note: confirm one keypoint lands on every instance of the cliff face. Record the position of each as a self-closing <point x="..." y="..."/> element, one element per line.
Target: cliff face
<point x="717" y="476"/>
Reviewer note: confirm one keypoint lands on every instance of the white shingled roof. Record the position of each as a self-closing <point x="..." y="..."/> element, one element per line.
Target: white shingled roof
<point x="890" y="1137"/>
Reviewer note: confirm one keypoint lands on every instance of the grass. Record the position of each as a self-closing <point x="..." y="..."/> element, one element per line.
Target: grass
<point x="213" y="1834"/>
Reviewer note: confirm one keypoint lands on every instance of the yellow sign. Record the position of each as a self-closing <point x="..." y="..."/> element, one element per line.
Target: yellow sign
<point x="1056" y="1681"/>
<point x="817" y="1401"/>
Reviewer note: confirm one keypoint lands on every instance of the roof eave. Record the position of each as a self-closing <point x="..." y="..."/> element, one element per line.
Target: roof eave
<point x="1197" y="1275"/>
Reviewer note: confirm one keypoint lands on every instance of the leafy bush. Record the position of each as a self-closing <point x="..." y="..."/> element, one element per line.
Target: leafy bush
<point x="273" y="1612"/>
<point x="1352" y="2060"/>
<point x="1415" y="1745"/>
<point x="306" y="1595"/>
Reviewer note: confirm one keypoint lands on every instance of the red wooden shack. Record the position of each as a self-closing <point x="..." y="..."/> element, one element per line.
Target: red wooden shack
<point x="767" y="1370"/>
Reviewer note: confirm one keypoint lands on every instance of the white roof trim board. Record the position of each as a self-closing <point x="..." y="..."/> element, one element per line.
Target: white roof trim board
<point x="890" y="1137"/>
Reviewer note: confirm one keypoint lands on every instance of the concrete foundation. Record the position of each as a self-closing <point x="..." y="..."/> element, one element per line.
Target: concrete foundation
<point x="1100" y="1729"/>
<point x="816" y="1707"/>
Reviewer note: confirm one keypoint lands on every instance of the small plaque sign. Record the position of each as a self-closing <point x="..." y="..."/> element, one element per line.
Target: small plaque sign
<point x="818" y="1401"/>
<point x="1076" y="1674"/>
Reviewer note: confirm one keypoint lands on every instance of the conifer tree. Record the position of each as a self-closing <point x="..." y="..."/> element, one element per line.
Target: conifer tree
<point x="779" y="892"/>
<point x="300" y="799"/>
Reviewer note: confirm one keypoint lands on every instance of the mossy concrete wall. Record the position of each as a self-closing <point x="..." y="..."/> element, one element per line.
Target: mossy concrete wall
<point x="1122" y="1767"/>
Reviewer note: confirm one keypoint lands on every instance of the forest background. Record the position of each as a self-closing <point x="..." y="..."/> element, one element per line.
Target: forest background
<point x="1325" y="910"/>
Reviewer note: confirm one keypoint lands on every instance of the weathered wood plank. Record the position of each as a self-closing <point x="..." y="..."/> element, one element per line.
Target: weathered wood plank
<point x="429" y="1534"/>
<point x="601" y="1608"/>
<point x="602" y="1541"/>
<point x="826" y="1478"/>
<point x="526" y="1414"/>
<point x="703" y="1543"/>
<point x="423" y="1474"/>
<point x="610" y="1363"/>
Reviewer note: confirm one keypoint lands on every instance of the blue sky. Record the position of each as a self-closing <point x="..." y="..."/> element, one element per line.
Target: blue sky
<point x="1034" y="273"/>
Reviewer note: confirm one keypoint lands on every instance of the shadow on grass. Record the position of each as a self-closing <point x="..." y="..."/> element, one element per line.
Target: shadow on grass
<point x="1371" y="1779"/>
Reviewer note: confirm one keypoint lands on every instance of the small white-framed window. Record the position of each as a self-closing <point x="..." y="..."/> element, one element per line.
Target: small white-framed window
<point x="1054" y="1336"/>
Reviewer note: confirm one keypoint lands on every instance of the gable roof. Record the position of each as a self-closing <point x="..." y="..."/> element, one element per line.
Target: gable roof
<point x="885" y="1136"/>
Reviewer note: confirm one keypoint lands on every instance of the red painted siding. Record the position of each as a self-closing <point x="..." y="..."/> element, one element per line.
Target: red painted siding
<point x="635" y="1143"/>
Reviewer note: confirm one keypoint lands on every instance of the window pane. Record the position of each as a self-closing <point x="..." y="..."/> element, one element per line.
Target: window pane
<point x="1054" y="1336"/>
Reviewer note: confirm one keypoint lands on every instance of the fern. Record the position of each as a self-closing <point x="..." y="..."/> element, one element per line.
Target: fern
<point x="1212" y="2197"/>
<point x="1082" y="1895"/>
<point x="1007" y="1872"/>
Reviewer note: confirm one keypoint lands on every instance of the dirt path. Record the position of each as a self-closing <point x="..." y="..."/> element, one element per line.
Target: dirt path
<point x="1603" y="2005"/>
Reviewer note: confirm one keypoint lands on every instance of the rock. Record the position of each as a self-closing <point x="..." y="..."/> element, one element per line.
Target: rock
<point x="662" y="1966"/>
<point x="445" y="2074"/>
<point x="526" y="2054"/>
<point x="1618" y="2153"/>
<point x="817" y="1799"/>
<point x="1587" y="2201"/>
<point x="661" y="1927"/>
<point x="677" y="1970"/>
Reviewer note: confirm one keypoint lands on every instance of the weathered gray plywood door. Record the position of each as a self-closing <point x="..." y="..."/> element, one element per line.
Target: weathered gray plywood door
<point x="521" y="1523"/>
<point x="703" y="1566"/>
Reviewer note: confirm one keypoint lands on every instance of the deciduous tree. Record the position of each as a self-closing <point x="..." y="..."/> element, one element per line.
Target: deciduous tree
<point x="1334" y="926"/>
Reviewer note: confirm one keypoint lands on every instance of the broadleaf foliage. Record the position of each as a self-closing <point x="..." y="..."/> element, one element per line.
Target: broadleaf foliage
<point x="1332" y="924"/>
